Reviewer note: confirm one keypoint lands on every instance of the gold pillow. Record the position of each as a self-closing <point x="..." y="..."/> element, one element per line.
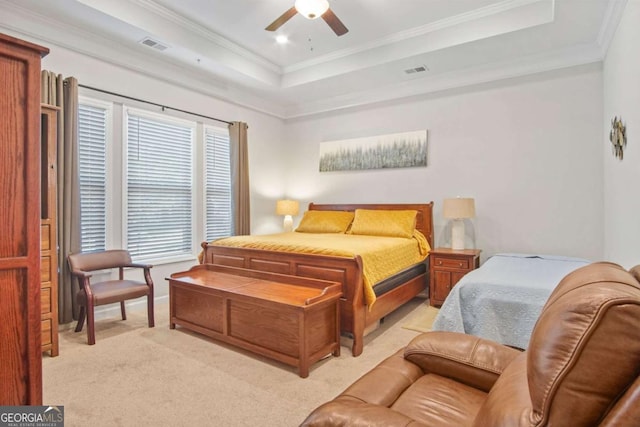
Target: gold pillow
<point x="325" y="222"/>
<point x="384" y="223"/>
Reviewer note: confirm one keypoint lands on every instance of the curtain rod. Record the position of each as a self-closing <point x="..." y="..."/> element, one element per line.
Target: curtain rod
<point x="153" y="103"/>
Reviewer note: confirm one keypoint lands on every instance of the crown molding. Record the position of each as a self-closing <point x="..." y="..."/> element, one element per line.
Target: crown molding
<point x="187" y="43"/>
<point x="529" y="65"/>
<point x="50" y="32"/>
<point x="398" y="37"/>
<point x="612" y="17"/>
<point x="213" y="37"/>
<point x="46" y="30"/>
<point x="527" y="15"/>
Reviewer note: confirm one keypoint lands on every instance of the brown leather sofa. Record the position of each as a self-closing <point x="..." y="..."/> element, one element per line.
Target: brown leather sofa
<point x="581" y="368"/>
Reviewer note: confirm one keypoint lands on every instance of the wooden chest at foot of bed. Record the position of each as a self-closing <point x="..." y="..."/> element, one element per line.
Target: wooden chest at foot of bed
<point x="294" y="320"/>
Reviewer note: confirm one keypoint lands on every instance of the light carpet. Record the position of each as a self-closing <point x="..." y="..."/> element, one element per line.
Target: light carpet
<point x="140" y="376"/>
<point x="421" y="318"/>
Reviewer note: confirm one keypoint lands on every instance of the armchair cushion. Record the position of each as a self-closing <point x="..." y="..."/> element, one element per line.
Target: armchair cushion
<point x="114" y="291"/>
<point x="350" y="412"/>
<point x="387" y="381"/>
<point x="439" y="401"/>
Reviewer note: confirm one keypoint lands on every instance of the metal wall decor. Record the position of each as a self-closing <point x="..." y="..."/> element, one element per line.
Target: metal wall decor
<point x="618" y="137"/>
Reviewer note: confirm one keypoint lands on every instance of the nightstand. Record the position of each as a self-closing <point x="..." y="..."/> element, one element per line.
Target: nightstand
<point x="446" y="267"/>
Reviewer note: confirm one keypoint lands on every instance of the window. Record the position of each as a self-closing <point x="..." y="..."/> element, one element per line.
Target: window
<point x="159" y="201"/>
<point x="219" y="221"/>
<point x="151" y="183"/>
<point x="92" y="142"/>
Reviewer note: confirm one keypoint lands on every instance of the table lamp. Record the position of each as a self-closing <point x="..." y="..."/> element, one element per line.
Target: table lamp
<point x="457" y="210"/>
<point x="287" y="208"/>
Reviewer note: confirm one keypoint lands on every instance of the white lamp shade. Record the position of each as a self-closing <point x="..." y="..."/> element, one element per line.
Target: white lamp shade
<point x="311" y="9"/>
<point x="459" y="208"/>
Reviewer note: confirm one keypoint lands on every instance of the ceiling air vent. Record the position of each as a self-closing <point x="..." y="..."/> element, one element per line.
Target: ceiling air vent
<point x="148" y="41"/>
<point x="420" y="69"/>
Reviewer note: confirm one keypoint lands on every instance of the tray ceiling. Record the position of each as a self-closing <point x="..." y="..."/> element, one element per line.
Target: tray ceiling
<point x="392" y="50"/>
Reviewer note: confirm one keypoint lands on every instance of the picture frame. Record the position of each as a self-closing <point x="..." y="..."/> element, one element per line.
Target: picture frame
<point x="395" y="150"/>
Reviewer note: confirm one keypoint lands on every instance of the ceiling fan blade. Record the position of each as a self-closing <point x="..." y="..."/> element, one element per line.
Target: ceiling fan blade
<point x="282" y="19"/>
<point x="336" y="24"/>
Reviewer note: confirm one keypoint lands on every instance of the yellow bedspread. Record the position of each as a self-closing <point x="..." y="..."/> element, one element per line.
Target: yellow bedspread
<point x="382" y="257"/>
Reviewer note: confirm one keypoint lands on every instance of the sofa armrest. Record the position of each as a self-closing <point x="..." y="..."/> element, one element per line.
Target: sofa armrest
<point x="465" y="358"/>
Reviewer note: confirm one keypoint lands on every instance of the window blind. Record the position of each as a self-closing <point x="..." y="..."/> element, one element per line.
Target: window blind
<point x="159" y="188"/>
<point x="219" y="220"/>
<point x="92" y="142"/>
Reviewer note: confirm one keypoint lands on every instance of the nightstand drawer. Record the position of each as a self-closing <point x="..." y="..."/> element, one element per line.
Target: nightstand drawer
<point x="451" y="262"/>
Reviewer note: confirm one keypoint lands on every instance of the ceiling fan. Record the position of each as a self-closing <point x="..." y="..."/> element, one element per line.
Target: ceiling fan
<point x="311" y="9"/>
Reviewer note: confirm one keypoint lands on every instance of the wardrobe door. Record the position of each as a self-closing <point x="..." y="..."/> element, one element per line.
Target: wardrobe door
<point x="20" y="306"/>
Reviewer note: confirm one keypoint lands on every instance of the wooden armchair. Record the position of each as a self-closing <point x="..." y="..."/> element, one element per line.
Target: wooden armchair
<point x="93" y="294"/>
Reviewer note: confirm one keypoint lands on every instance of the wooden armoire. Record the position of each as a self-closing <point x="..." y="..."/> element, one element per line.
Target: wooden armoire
<point x="20" y="299"/>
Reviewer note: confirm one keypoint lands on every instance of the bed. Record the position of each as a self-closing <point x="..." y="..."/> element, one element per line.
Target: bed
<point x="355" y="314"/>
<point x="502" y="299"/>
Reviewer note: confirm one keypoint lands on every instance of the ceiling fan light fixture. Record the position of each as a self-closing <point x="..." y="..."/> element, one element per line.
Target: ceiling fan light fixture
<point x="311" y="9"/>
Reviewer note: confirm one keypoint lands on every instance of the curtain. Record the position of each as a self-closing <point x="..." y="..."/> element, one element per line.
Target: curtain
<point x="63" y="93"/>
<point x="240" y="177"/>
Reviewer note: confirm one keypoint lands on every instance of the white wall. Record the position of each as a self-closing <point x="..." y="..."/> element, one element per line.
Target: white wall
<point x="622" y="177"/>
<point x="528" y="150"/>
<point x="265" y="132"/>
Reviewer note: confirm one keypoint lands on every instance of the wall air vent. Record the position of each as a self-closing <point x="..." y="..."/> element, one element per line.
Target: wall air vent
<point x="148" y="41"/>
<point x="420" y="69"/>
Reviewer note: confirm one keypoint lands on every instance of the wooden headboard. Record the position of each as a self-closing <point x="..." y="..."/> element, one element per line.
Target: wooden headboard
<point x="424" y="218"/>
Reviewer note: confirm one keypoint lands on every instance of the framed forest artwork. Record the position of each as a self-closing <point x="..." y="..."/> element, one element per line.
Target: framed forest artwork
<point x="396" y="150"/>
